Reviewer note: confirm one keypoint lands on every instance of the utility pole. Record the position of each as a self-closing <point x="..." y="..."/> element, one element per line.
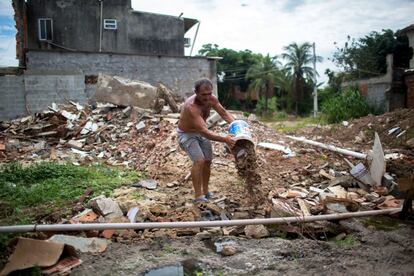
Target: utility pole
<point x="315" y="91"/>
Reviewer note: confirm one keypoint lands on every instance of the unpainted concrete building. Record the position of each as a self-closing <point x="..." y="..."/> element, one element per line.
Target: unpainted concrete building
<point x="103" y="26"/>
<point x="62" y="46"/>
<point x="394" y="89"/>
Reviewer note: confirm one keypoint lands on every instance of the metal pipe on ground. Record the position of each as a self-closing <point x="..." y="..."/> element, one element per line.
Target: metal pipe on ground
<point x="329" y="147"/>
<point x="189" y="224"/>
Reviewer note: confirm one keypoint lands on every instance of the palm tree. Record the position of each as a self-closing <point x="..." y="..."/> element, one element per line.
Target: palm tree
<point x="298" y="60"/>
<point x="263" y="76"/>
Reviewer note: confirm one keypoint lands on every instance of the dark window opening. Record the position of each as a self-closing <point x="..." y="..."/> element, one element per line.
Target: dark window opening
<point x="45" y="29"/>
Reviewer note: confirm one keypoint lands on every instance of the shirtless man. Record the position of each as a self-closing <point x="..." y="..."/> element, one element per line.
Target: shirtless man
<point x="194" y="137"/>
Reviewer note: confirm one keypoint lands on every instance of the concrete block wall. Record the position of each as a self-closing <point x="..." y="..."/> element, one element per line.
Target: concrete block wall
<point x="177" y="73"/>
<point x="12" y="103"/>
<point x="378" y="95"/>
<point x="33" y="92"/>
<point x="42" y="90"/>
<point x="409" y="82"/>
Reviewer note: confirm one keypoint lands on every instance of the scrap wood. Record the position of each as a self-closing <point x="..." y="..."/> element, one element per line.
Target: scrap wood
<point x="303" y="207"/>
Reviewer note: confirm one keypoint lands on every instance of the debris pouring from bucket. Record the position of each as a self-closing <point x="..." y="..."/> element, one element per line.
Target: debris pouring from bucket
<point x="246" y="160"/>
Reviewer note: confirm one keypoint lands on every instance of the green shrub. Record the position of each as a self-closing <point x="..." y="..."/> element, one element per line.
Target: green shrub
<point x="344" y="106"/>
<point x="261" y="106"/>
<point x="281" y="115"/>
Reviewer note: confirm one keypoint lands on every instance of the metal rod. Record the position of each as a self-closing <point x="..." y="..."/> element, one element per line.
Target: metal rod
<point x="329" y="147"/>
<point x="100" y="27"/>
<point x="188" y="224"/>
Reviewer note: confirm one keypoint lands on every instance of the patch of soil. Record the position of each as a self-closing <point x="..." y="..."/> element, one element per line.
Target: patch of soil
<point x="365" y="127"/>
<point x="367" y="252"/>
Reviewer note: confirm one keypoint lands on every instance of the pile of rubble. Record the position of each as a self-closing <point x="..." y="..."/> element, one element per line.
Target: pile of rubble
<point x="74" y="133"/>
<point x="294" y="177"/>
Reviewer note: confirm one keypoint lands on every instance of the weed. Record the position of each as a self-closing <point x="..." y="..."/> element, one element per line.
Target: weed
<point x="168" y="249"/>
<point x="349" y="241"/>
<point x="30" y="193"/>
<point x="382" y="223"/>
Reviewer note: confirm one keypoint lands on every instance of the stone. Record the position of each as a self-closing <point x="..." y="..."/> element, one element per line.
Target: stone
<point x="228" y="250"/>
<point x="214" y="209"/>
<point x="410" y="143"/>
<point x="85" y="245"/>
<point x="204" y="235"/>
<point x="158" y="210"/>
<point x="76" y="144"/>
<point x="241" y="215"/>
<point x="107" y="207"/>
<point x="256" y="231"/>
<point x="150" y="184"/>
<point x="140" y="126"/>
<point x="345" y="181"/>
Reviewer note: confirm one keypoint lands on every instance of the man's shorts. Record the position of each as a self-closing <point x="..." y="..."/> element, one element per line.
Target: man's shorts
<point x="196" y="146"/>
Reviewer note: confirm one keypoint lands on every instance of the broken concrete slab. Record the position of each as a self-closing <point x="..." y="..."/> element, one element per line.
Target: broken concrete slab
<point x="125" y="92"/>
<point x="378" y="166"/>
<point x="106" y="207"/>
<point x="85" y="245"/>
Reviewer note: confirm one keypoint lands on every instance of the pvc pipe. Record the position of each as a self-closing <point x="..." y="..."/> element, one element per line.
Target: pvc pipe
<point x="329" y="147"/>
<point x="188" y="224"/>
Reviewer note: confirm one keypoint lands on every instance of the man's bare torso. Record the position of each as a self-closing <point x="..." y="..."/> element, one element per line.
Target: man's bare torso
<point x="191" y="109"/>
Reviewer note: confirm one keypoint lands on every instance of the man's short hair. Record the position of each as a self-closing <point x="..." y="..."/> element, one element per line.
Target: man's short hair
<point x="201" y="82"/>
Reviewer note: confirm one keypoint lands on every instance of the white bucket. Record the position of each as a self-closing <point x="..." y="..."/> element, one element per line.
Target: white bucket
<point x="241" y="131"/>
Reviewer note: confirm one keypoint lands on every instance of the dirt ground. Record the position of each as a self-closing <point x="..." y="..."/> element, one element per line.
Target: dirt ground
<point x="351" y="247"/>
<point x="372" y="252"/>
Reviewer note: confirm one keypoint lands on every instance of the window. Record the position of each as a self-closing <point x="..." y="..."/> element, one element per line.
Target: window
<point x="110" y="24"/>
<point x="45" y="29"/>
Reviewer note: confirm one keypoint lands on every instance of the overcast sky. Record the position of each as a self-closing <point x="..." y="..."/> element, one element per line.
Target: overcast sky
<point x="263" y="26"/>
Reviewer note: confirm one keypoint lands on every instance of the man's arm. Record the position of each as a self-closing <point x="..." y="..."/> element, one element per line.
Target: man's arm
<point x="200" y="127"/>
<point x="221" y="111"/>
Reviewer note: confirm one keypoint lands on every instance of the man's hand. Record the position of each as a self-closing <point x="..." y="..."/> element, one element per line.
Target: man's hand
<point x="230" y="141"/>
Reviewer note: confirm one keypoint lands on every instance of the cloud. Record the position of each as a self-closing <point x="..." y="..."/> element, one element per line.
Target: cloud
<point x="291" y="5"/>
<point x="8" y="51"/>
<point x="266" y="26"/>
<point x="6" y="8"/>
